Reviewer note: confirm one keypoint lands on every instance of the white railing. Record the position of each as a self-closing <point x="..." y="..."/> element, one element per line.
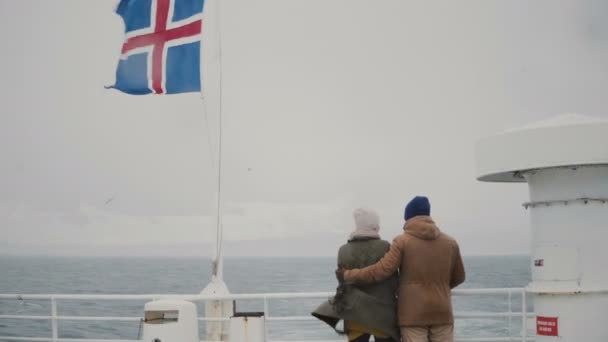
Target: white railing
<point x="54" y="318"/>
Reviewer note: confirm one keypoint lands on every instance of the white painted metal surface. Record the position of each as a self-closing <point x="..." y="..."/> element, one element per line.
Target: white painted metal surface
<point x="565" y="162"/>
<point x="521" y="315"/>
<point x="221" y="310"/>
<point x="565" y="140"/>
<point x="170" y="321"/>
<point x="570" y="238"/>
<point x="247" y="328"/>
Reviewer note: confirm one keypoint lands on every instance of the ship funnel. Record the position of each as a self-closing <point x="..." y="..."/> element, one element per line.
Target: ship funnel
<point x="565" y="163"/>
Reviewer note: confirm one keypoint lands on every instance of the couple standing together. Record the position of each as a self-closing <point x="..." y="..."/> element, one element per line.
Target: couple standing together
<point x="398" y="291"/>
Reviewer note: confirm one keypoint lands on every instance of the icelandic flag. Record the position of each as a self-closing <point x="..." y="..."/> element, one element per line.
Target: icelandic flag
<point x="162" y="47"/>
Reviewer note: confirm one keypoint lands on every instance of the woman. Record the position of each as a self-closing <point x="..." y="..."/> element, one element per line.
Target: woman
<point x="366" y="309"/>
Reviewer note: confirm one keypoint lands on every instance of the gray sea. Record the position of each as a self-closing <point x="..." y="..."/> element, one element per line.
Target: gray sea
<point x="120" y="275"/>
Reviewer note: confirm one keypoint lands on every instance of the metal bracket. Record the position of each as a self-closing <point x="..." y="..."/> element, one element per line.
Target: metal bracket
<point x="548" y="203"/>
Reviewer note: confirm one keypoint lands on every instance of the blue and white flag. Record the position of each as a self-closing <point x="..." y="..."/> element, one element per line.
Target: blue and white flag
<point x="161" y="53"/>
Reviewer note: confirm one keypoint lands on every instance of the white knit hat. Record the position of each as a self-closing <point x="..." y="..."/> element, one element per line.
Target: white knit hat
<point x="367" y="223"/>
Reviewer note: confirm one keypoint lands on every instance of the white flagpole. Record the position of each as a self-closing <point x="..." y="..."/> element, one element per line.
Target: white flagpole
<point x="211" y="84"/>
<point x="219" y="257"/>
<point x="211" y="81"/>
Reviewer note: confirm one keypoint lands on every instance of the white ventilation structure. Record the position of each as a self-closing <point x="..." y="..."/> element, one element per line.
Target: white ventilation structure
<point x="565" y="163"/>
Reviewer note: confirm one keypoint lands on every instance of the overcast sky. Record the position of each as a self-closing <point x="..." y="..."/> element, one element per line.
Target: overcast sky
<point x="328" y="105"/>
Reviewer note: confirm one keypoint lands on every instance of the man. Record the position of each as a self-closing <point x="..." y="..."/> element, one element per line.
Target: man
<point x="430" y="266"/>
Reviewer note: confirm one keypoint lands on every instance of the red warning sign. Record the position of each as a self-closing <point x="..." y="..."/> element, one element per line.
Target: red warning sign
<point x="546" y="326"/>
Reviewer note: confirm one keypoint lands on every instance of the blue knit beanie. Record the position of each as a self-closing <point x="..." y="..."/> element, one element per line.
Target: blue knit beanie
<point x="418" y="206"/>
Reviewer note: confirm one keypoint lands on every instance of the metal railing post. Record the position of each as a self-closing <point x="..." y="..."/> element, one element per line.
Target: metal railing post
<point x="524" y="316"/>
<point x="266" y="314"/>
<point x="510" y="317"/>
<point x="54" y="328"/>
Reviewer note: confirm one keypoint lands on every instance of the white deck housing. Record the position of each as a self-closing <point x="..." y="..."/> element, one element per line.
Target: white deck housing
<point x="565" y="163"/>
<point x="248" y="328"/>
<point x="170" y="321"/>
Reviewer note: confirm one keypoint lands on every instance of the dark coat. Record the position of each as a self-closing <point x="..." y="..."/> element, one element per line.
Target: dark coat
<point x="372" y="305"/>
